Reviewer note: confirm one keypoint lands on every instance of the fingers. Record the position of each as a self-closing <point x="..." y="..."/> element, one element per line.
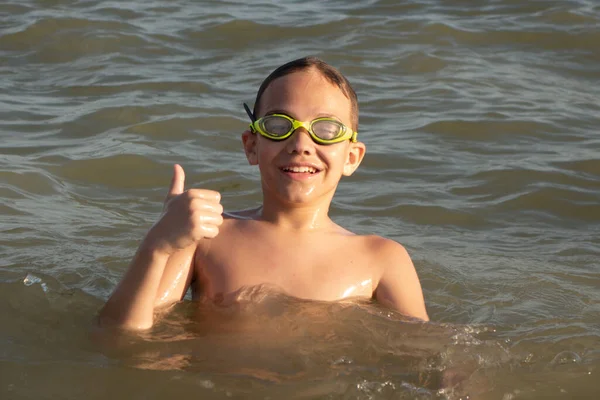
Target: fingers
<point x="207" y="218"/>
<point x="205" y="223"/>
<point x="177" y="183"/>
<point x="201" y="205"/>
<point x="205" y="194"/>
<point x="190" y="215"/>
<point x="210" y="231"/>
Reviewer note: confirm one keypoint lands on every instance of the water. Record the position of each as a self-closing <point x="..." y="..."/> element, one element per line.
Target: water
<point x="480" y="120"/>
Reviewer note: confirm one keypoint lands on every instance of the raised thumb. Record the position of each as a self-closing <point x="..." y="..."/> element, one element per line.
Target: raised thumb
<point x="178" y="181"/>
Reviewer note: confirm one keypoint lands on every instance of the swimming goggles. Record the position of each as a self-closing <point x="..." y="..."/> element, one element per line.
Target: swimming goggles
<point x="280" y="127"/>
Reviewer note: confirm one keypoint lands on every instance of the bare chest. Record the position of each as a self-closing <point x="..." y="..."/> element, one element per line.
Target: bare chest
<point x="319" y="267"/>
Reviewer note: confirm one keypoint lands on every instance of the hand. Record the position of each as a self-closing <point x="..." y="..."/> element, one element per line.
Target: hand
<point x="188" y="216"/>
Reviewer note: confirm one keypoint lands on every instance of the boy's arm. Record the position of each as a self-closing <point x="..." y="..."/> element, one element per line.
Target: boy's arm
<point x="162" y="268"/>
<point x="176" y="278"/>
<point x="399" y="287"/>
<point x="150" y="281"/>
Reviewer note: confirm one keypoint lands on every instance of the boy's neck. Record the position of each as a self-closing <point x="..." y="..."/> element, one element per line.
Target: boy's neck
<point x="310" y="217"/>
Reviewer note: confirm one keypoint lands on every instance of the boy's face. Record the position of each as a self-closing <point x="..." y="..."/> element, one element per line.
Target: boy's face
<point x="298" y="170"/>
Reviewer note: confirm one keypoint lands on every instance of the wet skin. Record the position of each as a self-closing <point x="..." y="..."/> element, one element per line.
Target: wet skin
<point x="289" y="241"/>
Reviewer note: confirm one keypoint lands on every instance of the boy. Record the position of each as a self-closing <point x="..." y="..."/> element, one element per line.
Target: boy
<point x="303" y="139"/>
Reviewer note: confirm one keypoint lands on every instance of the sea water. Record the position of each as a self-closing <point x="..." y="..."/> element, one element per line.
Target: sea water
<point x="483" y="159"/>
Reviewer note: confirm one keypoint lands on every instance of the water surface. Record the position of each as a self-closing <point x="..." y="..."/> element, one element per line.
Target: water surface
<point x="480" y="120"/>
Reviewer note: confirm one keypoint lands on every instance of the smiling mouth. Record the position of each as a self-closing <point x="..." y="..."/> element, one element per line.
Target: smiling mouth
<point x="300" y="170"/>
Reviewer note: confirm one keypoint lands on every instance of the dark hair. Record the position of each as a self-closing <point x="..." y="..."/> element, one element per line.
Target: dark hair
<point x="330" y="73"/>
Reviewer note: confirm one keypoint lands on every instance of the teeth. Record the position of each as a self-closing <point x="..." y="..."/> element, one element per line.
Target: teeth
<point x="300" y="169"/>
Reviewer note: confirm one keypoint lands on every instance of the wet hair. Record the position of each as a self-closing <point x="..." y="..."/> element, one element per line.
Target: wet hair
<point x="331" y="74"/>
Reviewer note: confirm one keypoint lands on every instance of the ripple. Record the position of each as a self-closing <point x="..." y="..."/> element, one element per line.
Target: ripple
<point x="496" y="184"/>
<point x="30" y="183"/>
<point x="243" y="34"/>
<point x="434" y="215"/>
<point x="421" y="63"/>
<point x="119" y="171"/>
<point x="121" y="12"/>
<point x="569" y="18"/>
<point x="40" y="32"/>
<point x="160" y="87"/>
<point x="559" y="203"/>
<point x="447" y="34"/>
<point x="486" y="130"/>
<point x="13" y="9"/>
<point x="587" y="167"/>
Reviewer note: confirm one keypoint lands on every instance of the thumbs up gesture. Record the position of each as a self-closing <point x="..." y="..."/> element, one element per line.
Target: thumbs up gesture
<point x="188" y="216"/>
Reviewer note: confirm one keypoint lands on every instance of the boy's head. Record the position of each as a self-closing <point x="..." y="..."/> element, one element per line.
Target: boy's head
<point x="299" y="108"/>
<point x="331" y="74"/>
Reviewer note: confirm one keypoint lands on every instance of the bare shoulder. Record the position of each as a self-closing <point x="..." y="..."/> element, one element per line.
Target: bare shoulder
<point x="379" y="251"/>
<point x="396" y="283"/>
<point x="385" y="252"/>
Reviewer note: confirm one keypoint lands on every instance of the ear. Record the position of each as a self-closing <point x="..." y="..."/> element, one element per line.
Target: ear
<point x="249" y="141"/>
<point x="356" y="152"/>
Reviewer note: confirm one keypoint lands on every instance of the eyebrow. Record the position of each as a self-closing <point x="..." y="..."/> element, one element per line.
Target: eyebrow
<point x="289" y="114"/>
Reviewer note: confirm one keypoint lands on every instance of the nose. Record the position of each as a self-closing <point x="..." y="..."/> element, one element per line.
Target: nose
<point x="300" y="142"/>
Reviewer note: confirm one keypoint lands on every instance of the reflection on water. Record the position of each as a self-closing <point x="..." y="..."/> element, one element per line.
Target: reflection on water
<point x="269" y="338"/>
<point x="267" y="344"/>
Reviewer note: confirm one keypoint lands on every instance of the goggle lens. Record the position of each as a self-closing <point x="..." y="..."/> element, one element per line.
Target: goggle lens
<point x="276" y="126"/>
<point x="327" y="130"/>
<point x="279" y="126"/>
